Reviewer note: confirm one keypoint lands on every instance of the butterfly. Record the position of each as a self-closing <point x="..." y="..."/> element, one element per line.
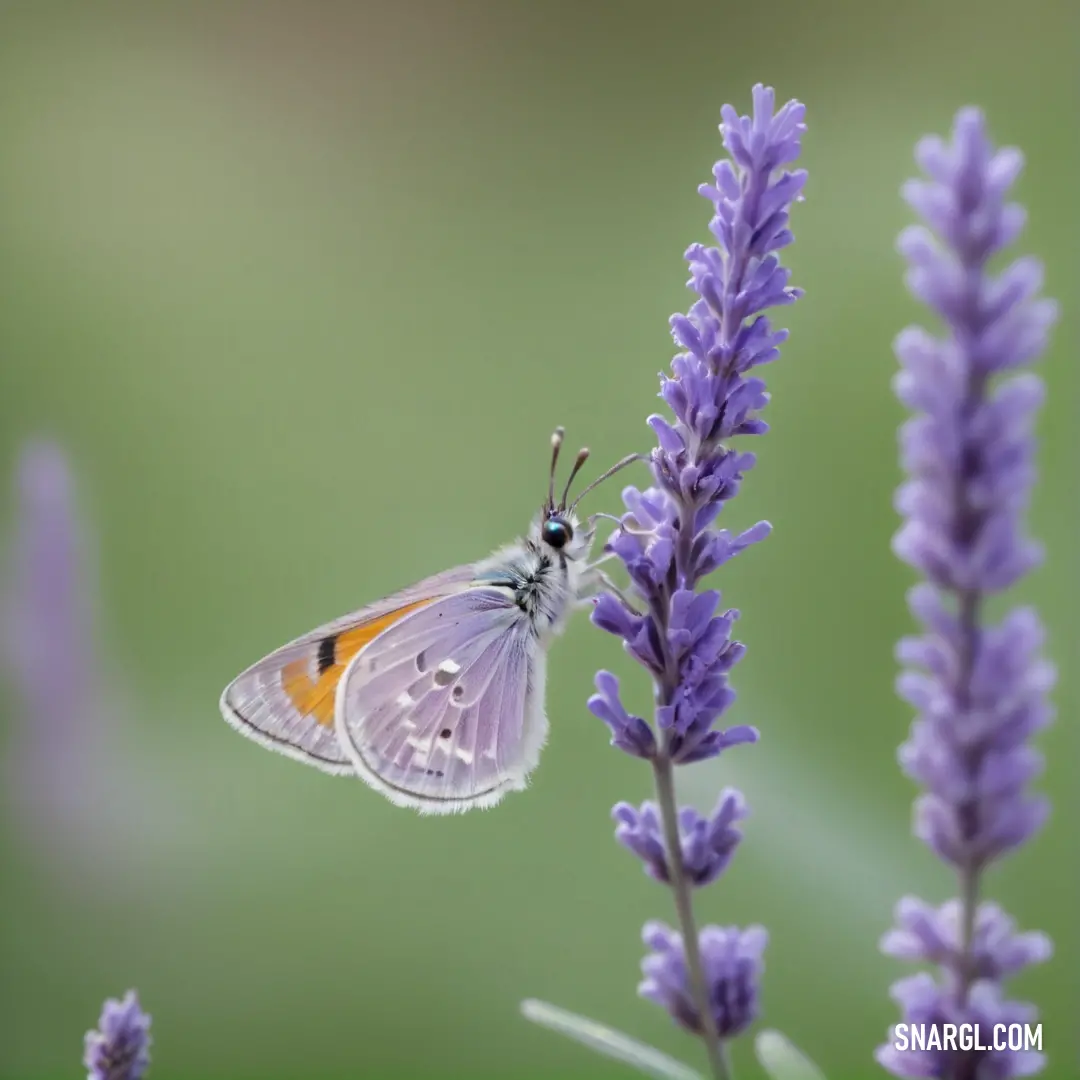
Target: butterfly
<point x="434" y="696"/>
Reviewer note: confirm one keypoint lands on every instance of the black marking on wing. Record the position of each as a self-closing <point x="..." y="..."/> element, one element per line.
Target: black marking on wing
<point x="326" y="653"/>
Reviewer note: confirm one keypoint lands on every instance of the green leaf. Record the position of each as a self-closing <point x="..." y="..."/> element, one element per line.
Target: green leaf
<point x="783" y="1060"/>
<point x="607" y="1041"/>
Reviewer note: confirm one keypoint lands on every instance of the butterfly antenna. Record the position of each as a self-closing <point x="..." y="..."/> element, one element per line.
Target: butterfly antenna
<point x="582" y="457"/>
<point x="617" y="467"/>
<point x="556" y="446"/>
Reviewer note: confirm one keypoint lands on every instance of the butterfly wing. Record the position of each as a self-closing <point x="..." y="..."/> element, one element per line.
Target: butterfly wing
<point x="286" y="701"/>
<point x="444" y="710"/>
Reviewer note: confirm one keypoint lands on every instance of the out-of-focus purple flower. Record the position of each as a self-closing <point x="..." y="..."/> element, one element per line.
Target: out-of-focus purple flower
<point x="981" y="694"/>
<point x="980" y="690"/>
<point x="707" y="844"/>
<point x="120" y="1048"/>
<point x="732" y="962"/>
<point x="925" y="934"/>
<point x="73" y="786"/>
<point x="48" y="645"/>
<point x="924" y="1002"/>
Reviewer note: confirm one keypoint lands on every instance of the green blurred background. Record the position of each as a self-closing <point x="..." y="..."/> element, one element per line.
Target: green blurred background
<point x="303" y="289"/>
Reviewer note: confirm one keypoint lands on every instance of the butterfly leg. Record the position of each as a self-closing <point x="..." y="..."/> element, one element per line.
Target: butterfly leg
<point x="597" y="581"/>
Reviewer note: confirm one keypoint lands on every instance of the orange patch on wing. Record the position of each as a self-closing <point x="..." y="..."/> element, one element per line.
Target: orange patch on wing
<point x="315" y="697"/>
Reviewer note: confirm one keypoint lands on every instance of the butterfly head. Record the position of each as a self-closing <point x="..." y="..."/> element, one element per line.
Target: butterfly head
<point x="558" y="533"/>
<point x="557" y="528"/>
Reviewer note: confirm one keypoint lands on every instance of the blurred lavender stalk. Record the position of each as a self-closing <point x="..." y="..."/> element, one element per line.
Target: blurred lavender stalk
<point x="980" y="689"/>
<point x="67" y="775"/>
<point x="120" y="1048"/>
<point x="48" y="643"/>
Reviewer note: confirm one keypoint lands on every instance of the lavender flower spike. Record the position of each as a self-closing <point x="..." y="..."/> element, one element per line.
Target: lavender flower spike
<point x="120" y="1050"/>
<point x="47" y="646"/>
<point x="732" y="961"/>
<point x="682" y="635"/>
<point x="68" y="778"/>
<point x="707" y="844"/>
<point x="980" y="690"/>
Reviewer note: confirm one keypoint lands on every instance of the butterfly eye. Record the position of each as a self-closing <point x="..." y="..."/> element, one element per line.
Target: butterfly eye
<point x="557" y="533"/>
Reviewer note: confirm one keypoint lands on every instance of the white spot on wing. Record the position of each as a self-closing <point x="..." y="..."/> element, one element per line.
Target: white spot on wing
<point x="451" y="667"/>
<point x="420" y="744"/>
<point x="464" y="755"/>
<point x="405" y="699"/>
